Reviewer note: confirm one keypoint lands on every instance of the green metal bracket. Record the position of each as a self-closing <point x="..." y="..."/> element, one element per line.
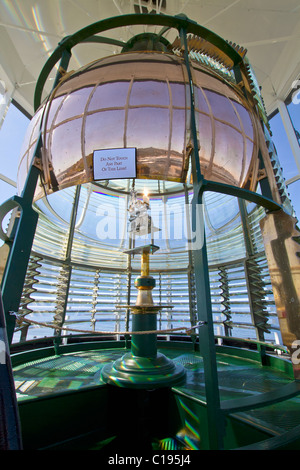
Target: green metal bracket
<point x="267" y="203"/>
<point x="215" y="419"/>
<point x="65" y="59"/>
<point x="88" y="33"/>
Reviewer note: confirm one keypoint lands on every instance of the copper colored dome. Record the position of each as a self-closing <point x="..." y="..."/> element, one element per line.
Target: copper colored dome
<point x="141" y="100"/>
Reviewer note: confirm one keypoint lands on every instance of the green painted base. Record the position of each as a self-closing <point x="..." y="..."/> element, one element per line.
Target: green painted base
<point x="142" y="372"/>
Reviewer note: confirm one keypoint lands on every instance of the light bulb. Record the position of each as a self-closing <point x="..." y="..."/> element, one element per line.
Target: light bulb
<point x="145" y="196"/>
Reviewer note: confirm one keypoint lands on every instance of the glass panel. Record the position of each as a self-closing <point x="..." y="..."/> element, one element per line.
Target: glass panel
<point x="59" y="209"/>
<point x="222" y="108"/>
<point x="245" y="118"/>
<point x="43" y="295"/>
<point x="200" y="101"/>
<point x="52" y="109"/>
<point x="31" y="133"/>
<point x="209" y="82"/>
<point x="104" y="130"/>
<point x="65" y="150"/>
<point x="22" y="172"/>
<point x="229" y="152"/>
<point x="109" y="95"/>
<point x="148" y="128"/>
<point x="294" y="191"/>
<point x="221" y="209"/>
<point x="149" y="93"/>
<point x="225" y="241"/>
<point x="12" y="135"/>
<point x="103" y="228"/>
<point x="204" y="126"/>
<point x="74" y="104"/>
<point x="93" y="297"/>
<point x="50" y="239"/>
<point x="249" y="154"/>
<point x="294" y="112"/>
<point x="255" y="214"/>
<point x="178" y="133"/>
<point x="178" y="94"/>
<point x="283" y="148"/>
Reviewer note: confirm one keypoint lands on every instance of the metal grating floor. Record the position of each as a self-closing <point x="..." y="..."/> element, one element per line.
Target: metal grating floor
<point x="237" y="378"/>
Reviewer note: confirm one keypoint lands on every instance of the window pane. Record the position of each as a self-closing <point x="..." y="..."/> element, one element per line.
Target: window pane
<point x="11" y="138"/>
<point x="294" y="190"/>
<point x="294" y="112"/>
<point x="222" y="108"/>
<point x="110" y="95"/>
<point x="283" y="147"/>
<point x="149" y="92"/>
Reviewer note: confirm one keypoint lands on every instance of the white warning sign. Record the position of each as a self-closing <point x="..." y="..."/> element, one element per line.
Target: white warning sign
<point x="114" y="163"/>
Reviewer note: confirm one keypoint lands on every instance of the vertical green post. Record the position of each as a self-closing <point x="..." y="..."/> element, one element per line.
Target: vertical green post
<point x="215" y="417"/>
<point x="10" y="428"/>
<point x="191" y="273"/>
<point x="144" y="345"/>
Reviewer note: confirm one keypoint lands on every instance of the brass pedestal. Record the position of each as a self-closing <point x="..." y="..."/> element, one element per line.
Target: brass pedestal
<point x="144" y="367"/>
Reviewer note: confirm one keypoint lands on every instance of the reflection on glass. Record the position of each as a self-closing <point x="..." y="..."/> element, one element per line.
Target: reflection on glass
<point x="283" y="147"/>
<point x="229" y="153"/>
<point x="65" y="149"/>
<point x="205" y="138"/>
<point x="142" y="101"/>
<point x="104" y="131"/>
<point x="222" y="108"/>
<point x="73" y="105"/>
<point x="244" y="116"/>
<point x="294" y="190"/>
<point x="149" y="92"/>
<point x="109" y="95"/>
<point x="148" y="128"/>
